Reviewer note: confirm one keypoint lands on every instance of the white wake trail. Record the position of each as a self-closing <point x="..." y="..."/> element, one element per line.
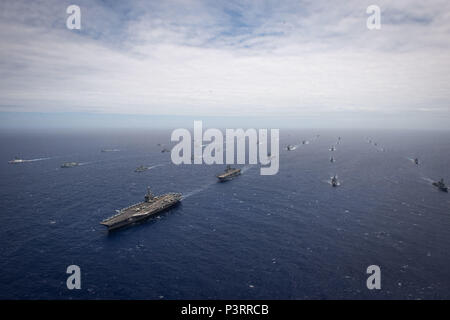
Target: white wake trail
<point x="38" y="159"/>
<point x="198" y="190"/>
<point x="428" y="179"/>
<point x="156" y="166"/>
<point x="246" y="168"/>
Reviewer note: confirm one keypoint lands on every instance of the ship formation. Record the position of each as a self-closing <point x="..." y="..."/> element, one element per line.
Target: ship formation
<point x="154" y="205"/>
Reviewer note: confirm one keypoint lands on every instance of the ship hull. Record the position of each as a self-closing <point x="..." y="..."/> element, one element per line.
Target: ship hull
<point x="142" y="211"/>
<point x="136" y="219"/>
<point x="228" y="175"/>
<point x="228" y="178"/>
<point x="443" y="189"/>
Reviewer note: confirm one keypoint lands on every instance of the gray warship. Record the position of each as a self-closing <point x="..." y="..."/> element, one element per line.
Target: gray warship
<point x="290" y="147"/>
<point x="141" y="169"/>
<point x="334" y="181"/>
<point x="440" y="185"/>
<point x="16" y="160"/>
<point x="229" y="174"/>
<point x="151" y="206"/>
<point x="69" y="164"/>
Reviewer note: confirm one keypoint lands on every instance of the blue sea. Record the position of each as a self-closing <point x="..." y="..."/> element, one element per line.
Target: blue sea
<point x="286" y="236"/>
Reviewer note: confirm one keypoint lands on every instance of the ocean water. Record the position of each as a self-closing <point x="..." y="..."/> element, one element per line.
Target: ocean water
<point x="287" y="236"/>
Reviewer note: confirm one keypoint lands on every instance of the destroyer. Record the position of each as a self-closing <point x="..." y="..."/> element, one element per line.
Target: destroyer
<point x="142" y="210"/>
<point x="291" y="147"/>
<point x="141" y="169"/>
<point x="441" y="185"/>
<point x="16" y="160"/>
<point x="334" y="181"/>
<point x="229" y="174"/>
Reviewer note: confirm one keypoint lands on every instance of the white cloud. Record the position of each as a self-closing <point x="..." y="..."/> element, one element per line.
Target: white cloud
<point x="233" y="58"/>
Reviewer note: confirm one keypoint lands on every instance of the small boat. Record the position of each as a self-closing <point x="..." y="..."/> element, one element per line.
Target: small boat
<point x="416" y="161"/>
<point x="332" y="159"/>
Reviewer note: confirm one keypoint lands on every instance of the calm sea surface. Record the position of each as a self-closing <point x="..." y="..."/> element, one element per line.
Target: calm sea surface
<point x="287" y="236"/>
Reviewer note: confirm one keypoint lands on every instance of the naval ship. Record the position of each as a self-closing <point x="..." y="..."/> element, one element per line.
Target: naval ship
<point x="16" y="160"/>
<point x="141" y="169"/>
<point x="334" y="181"/>
<point x="142" y="210"/>
<point x="229" y="174"/>
<point x="440" y="185"/>
<point x="290" y="147"/>
<point x="69" y="164"/>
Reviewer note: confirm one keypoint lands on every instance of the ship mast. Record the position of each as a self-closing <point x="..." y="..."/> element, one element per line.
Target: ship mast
<point x="149" y="196"/>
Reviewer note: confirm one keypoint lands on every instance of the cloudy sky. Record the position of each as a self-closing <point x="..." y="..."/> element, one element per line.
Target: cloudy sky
<point x="280" y="60"/>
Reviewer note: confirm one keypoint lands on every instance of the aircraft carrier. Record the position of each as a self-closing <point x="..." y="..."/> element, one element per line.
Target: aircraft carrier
<point x="142" y="210"/>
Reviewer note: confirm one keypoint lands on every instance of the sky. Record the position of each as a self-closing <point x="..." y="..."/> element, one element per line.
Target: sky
<point x="305" y="63"/>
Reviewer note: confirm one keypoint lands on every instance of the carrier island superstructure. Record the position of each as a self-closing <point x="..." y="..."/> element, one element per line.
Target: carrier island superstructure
<point x="151" y="206"/>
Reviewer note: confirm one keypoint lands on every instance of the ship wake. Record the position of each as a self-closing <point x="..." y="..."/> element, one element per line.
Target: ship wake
<point x="427" y="179"/>
<point x="37" y="159"/>
<point x="246" y="168"/>
<point x="155" y="166"/>
<point x="198" y="190"/>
